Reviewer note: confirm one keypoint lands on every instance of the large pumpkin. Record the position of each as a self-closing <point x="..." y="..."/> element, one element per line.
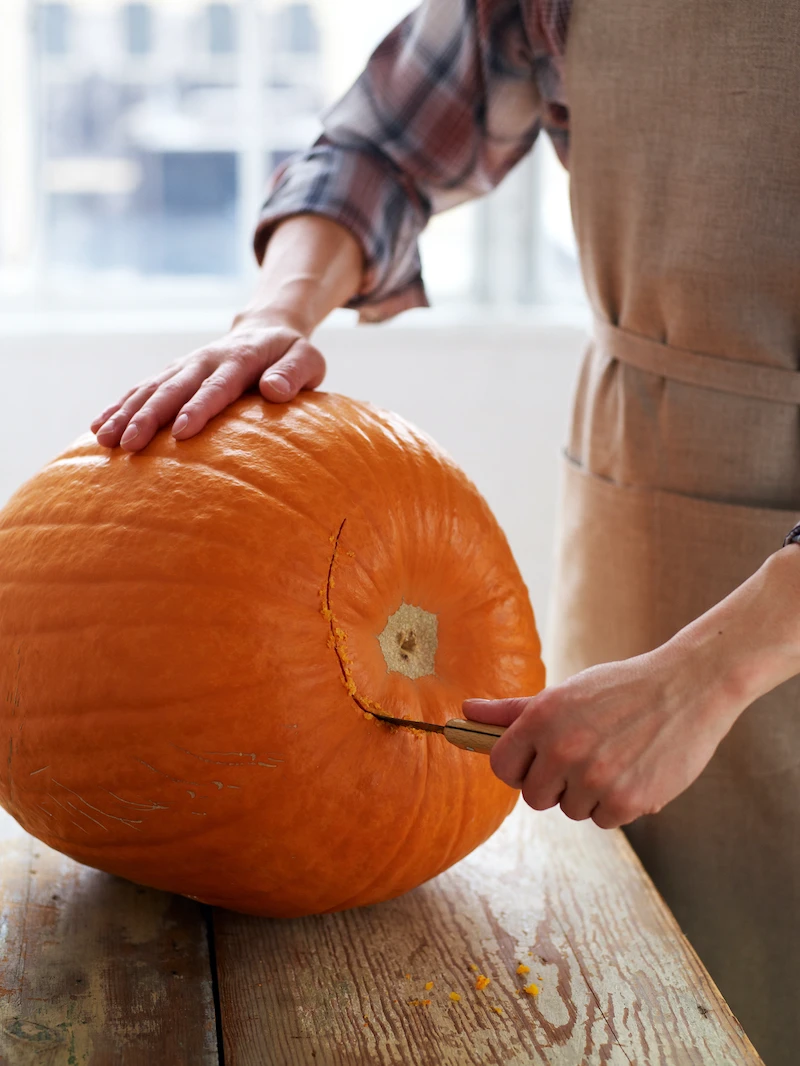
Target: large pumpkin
<point x="192" y="640"/>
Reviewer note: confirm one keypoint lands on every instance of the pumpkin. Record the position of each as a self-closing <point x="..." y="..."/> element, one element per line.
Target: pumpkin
<point x="196" y="642"/>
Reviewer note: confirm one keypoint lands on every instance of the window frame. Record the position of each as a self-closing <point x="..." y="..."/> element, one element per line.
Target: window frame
<point x="507" y="272"/>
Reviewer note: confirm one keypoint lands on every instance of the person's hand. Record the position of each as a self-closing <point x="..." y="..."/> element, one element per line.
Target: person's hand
<point x="194" y="389"/>
<point x="616" y="741"/>
<point x="310" y="266"/>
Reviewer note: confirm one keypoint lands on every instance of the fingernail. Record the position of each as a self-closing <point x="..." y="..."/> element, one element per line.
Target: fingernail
<point x="471" y="699"/>
<point x="277" y="383"/>
<point x="180" y="423"/>
<point x="130" y="434"/>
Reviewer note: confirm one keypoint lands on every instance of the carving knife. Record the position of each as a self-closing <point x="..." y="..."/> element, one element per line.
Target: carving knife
<point x="471" y="736"/>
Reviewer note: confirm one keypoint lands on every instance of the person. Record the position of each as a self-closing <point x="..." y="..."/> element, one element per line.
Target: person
<point x="676" y="628"/>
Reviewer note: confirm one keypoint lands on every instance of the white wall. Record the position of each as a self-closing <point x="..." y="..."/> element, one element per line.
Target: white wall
<point x="496" y="396"/>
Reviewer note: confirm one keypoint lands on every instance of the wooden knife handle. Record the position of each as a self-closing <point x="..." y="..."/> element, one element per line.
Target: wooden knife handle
<point x="473" y="736"/>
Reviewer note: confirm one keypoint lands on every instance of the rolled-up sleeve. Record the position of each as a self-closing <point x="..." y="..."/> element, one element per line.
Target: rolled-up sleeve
<point x="446" y="106"/>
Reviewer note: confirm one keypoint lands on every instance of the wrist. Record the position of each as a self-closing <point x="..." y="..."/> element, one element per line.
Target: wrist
<point x="311" y="265"/>
<point x="776" y="622"/>
<point x="273" y="315"/>
<point x="749" y="643"/>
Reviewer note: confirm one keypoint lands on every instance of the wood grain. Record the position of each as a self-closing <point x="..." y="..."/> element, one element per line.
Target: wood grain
<point x="95" y="971"/>
<point x="618" y="982"/>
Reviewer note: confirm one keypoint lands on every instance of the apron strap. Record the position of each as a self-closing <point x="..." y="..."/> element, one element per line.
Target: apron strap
<point x="753" y="380"/>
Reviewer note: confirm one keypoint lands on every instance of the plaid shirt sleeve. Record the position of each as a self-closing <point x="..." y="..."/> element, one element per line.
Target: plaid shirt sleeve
<point x="446" y="106"/>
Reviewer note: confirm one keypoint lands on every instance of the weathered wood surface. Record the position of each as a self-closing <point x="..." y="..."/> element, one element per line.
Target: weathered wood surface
<point x="95" y="971"/>
<point x="619" y="983"/>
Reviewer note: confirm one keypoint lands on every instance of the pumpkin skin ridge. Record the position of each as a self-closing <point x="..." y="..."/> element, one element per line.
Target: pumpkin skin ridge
<point x="88" y="440"/>
<point x="16" y="526"/>
<point x="309" y="458"/>
<point x="291" y="445"/>
<point x="182" y="463"/>
<point x="338" y="643"/>
<point x="372" y="710"/>
<point x="220" y="472"/>
<point x="411" y="827"/>
<point x="78" y="460"/>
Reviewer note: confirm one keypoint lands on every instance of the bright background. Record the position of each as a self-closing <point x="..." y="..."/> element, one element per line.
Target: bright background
<point x="135" y="143"/>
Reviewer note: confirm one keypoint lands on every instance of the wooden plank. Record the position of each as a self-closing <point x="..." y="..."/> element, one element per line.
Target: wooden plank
<point x="619" y="984"/>
<point x="95" y="970"/>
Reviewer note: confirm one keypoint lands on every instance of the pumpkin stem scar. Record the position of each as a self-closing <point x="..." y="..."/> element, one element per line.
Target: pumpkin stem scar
<point x="338" y="638"/>
<point x="409" y="642"/>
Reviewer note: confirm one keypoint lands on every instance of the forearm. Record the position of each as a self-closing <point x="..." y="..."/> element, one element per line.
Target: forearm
<point x="749" y="643"/>
<point x="622" y="739"/>
<point x="311" y="266"/>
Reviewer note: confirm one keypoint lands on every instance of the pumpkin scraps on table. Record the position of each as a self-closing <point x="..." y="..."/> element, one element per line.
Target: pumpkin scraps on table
<point x="199" y="641"/>
<point x="481" y="983"/>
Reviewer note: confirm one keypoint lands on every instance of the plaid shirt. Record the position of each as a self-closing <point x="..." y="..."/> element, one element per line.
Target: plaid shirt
<point x="448" y="103"/>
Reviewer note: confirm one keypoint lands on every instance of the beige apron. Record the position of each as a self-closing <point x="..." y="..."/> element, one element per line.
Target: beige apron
<point x="683" y="465"/>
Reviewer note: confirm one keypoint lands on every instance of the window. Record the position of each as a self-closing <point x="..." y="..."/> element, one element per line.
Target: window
<point x="138" y="181"/>
<point x="138" y="28"/>
<point x="221" y="29"/>
<point x="297" y="28"/>
<point x="54" y="28"/>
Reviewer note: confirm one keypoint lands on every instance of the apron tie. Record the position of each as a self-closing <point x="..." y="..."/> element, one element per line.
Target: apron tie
<point x="753" y="380"/>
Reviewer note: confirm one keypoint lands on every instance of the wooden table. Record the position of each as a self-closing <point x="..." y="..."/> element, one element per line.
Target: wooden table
<point x="98" y="971"/>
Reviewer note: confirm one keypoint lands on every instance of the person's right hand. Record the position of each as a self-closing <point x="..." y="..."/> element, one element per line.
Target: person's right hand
<point x="194" y="389"/>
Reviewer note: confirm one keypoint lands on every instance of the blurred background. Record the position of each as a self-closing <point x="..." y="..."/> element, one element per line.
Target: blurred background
<point x="136" y="140"/>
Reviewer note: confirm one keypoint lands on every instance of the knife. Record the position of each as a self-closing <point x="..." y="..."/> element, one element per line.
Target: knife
<point x="471" y="736"/>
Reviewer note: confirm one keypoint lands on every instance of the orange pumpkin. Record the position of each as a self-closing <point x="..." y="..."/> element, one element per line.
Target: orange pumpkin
<point x="192" y="638"/>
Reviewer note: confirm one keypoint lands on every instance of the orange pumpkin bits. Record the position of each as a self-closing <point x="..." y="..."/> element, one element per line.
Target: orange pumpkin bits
<point x="199" y="641"/>
<point x="523" y="969"/>
<point x="428" y="986"/>
<point x="532" y="990"/>
<point x="482" y="982"/>
<point x="456" y="998"/>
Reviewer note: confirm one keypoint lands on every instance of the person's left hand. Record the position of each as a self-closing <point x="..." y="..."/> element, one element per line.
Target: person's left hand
<point x="616" y="741"/>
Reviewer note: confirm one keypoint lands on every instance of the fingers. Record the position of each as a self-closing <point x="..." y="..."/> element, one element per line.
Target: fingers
<point x="302" y="367"/>
<point x="546" y="785"/>
<point x="495" y="712"/>
<point x="115" y="423"/>
<point x="606" y="818"/>
<point x="550" y="782"/>
<point x="514" y="753"/>
<point x="547" y="765"/>
<point x="163" y="404"/>
<point x="214" y="394"/>
<point x="578" y="803"/>
<point x="542" y="788"/>
<point x="109" y="411"/>
<point x="620" y="807"/>
<point x="199" y="388"/>
<point x="554" y="778"/>
<point x="104" y="417"/>
<point x="106" y="423"/>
